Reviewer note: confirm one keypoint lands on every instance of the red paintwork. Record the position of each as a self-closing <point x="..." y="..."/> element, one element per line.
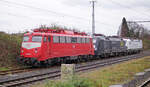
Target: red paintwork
<point x="55" y="50"/>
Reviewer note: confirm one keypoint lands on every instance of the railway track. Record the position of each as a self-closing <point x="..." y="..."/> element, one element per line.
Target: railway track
<point x="48" y="74"/>
<point x="17" y="70"/>
<point x="146" y="84"/>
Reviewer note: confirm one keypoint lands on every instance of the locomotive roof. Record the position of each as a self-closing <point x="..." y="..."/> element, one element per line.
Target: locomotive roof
<point x="56" y="34"/>
<point x="131" y="39"/>
<point x="101" y="37"/>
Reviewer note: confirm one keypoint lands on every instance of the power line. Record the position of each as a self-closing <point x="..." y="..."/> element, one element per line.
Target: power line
<point x="128" y="7"/>
<point x="138" y="21"/>
<point x="16" y="15"/>
<point x="41" y="9"/>
<point x="26" y="17"/>
<point x="49" y="11"/>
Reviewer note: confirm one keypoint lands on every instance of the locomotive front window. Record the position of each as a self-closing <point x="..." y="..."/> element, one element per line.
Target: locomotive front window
<point x="25" y="38"/>
<point x="36" y="38"/>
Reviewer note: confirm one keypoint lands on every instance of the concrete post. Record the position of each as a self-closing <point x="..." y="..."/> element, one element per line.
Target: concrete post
<point x="67" y="72"/>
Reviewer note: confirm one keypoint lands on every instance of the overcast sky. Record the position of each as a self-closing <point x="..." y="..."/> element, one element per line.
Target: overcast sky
<point x="20" y="15"/>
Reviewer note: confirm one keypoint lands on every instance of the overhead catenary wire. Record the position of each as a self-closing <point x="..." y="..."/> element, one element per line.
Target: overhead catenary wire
<point x="140" y="21"/>
<point x="56" y="13"/>
<point x="16" y="15"/>
<point x="50" y="11"/>
<point x="122" y="5"/>
<point x="26" y="17"/>
<point x="62" y="14"/>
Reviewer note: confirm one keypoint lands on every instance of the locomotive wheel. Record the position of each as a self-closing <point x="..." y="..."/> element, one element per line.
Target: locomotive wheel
<point x="85" y="58"/>
<point x="79" y="59"/>
<point x="68" y="60"/>
<point x="49" y="62"/>
<point x="102" y="56"/>
<point x="63" y="60"/>
<point x="37" y="64"/>
<point x="25" y="61"/>
<point x="18" y="59"/>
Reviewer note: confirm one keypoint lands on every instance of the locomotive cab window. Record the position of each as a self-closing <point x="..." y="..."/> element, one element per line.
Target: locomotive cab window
<point x="36" y="38"/>
<point x="25" y="38"/>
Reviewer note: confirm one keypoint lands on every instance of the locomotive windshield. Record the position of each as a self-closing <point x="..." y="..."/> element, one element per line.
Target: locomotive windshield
<point x="25" y="38"/>
<point x="36" y="38"/>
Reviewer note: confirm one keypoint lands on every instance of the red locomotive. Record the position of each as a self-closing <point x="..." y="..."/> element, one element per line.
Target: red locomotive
<point x="46" y="46"/>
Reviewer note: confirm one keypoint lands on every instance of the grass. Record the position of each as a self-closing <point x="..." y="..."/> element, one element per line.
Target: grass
<point x="118" y="74"/>
<point x="3" y="68"/>
<point x="76" y="82"/>
<point x="104" y="77"/>
<point x="146" y="43"/>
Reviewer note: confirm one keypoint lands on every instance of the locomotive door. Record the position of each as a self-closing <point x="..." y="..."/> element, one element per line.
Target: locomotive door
<point x="49" y="45"/>
<point x="45" y="47"/>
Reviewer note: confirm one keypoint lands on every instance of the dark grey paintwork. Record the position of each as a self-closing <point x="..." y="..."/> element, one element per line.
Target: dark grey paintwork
<point x="108" y="45"/>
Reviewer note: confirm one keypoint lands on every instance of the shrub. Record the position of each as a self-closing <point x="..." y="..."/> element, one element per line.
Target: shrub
<point x="9" y="49"/>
